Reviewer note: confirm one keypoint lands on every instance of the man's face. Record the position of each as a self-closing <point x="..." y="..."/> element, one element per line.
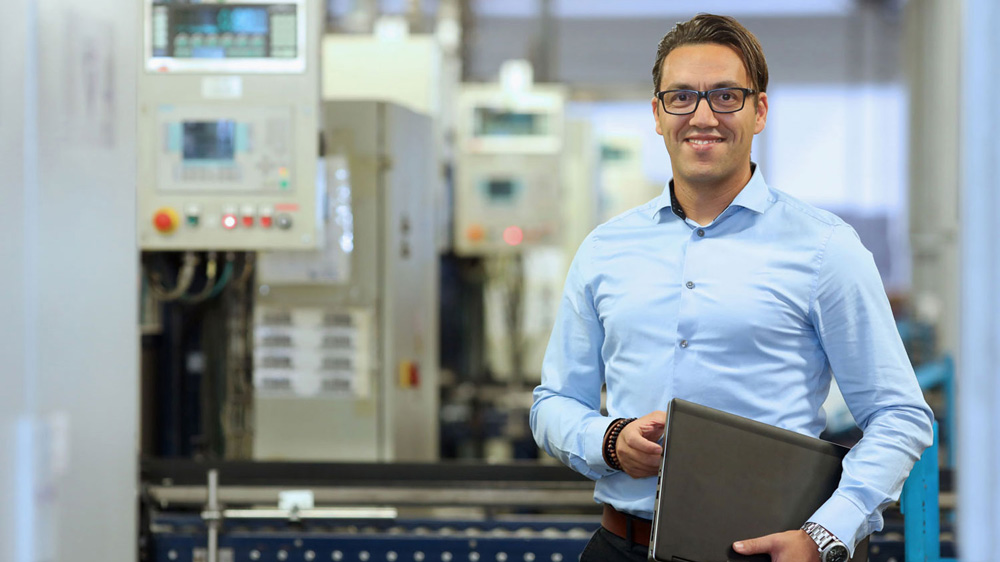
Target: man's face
<point x="708" y="148"/>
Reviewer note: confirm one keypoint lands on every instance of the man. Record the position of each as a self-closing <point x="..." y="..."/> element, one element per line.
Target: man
<point x="729" y="293"/>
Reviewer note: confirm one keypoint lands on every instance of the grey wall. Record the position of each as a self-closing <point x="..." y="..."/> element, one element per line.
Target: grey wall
<point x="68" y="289"/>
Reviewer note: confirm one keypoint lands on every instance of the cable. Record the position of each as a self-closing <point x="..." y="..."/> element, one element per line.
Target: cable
<point x="184" y="278"/>
<point x="248" y="265"/>
<point x="227" y="275"/>
<point x="211" y="268"/>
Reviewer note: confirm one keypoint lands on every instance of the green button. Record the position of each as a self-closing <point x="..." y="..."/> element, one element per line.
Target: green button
<point x="192" y="220"/>
<point x="284" y="184"/>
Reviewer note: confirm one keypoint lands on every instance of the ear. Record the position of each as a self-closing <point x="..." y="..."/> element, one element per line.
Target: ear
<point x="656" y="115"/>
<point x="761" y="112"/>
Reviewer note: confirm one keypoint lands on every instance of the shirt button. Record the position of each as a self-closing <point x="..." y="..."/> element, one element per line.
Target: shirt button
<point x="689" y="285"/>
<point x="701" y="232"/>
<point x="684" y="343"/>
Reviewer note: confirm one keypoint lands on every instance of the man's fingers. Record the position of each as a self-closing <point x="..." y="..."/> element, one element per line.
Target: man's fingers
<point x="759" y="545"/>
<point x="637" y="449"/>
<point x="639" y="442"/>
<point x="645" y="461"/>
<point x="640" y="467"/>
<point x="652" y="430"/>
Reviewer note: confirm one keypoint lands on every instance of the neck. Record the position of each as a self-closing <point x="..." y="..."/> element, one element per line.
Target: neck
<point x="703" y="202"/>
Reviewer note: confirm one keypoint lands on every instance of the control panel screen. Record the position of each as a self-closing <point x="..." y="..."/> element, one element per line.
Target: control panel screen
<point x="183" y="30"/>
<point x="500" y="189"/>
<point x="490" y="122"/>
<point x="202" y="149"/>
<point x="209" y="140"/>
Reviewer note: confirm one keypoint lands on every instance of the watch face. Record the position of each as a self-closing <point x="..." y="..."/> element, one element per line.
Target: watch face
<point x="837" y="553"/>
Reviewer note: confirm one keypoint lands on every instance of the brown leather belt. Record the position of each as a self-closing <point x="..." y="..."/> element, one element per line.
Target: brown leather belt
<point x="619" y="523"/>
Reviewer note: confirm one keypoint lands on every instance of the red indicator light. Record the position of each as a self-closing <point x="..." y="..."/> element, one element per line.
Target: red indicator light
<point x="229" y="221"/>
<point x="248" y="221"/>
<point x="513" y="235"/>
<point x="265" y="222"/>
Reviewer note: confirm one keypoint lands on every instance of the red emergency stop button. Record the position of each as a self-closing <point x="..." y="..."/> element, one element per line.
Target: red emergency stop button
<point x="475" y="233"/>
<point x="165" y="220"/>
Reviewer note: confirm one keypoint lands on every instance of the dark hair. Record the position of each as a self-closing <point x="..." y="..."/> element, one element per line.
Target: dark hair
<point x="723" y="30"/>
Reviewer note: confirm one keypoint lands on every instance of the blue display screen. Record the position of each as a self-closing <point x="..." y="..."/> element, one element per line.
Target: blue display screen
<point x="221" y="20"/>
<point x="245" y="20"/>
<point x="224" y="31"/>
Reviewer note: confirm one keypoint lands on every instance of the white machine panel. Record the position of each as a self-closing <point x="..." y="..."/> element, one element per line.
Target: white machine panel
<point x="509" y="169"/>
<point x="346" y="367"/>
<point x="228" y="126"/>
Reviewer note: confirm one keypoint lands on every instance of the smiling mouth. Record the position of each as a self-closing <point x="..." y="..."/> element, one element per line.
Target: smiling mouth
<point x="702" y="142"/>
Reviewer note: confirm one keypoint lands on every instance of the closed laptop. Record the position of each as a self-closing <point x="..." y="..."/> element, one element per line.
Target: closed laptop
<point x="725" y="478"/>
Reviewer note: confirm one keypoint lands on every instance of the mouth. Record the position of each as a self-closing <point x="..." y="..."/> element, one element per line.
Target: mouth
<point x="703" y="142"/>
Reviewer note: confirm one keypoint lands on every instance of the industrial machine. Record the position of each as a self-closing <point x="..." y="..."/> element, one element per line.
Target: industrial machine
<point x="228" y="125"/>
<point x="345" y="365"/>
<point x="508" y="168"/>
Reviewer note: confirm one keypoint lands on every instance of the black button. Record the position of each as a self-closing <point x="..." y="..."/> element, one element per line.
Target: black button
<point x="701" y="232"/>
<point x="689" y="285"/>
<point x="684" y="343"/>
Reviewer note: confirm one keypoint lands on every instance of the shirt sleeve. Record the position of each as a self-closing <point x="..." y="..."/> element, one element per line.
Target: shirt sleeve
<point x="565" y="416"/>
<point x="855" y="326"/>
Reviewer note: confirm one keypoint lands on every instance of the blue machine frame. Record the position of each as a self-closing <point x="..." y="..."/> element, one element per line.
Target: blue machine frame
<point x="921" y="508"/>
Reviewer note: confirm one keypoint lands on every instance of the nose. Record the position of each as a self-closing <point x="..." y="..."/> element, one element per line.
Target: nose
<point x="703" y="115"/>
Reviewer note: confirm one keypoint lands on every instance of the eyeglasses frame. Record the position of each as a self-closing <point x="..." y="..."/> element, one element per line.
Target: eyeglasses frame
<point x="704" y="94"/>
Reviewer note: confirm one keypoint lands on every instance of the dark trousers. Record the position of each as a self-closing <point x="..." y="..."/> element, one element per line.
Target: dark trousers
<point x="606" y="546"/>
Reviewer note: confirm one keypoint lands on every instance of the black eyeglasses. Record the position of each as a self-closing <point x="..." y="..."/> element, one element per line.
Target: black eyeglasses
<point x="720" y="100"/>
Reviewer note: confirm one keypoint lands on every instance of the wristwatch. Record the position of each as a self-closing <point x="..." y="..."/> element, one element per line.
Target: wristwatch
<point x="830" y="548"/>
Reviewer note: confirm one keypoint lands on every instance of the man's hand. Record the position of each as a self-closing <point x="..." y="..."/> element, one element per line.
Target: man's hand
<point x="637" y="447"/>
<point x="790" y="546"/>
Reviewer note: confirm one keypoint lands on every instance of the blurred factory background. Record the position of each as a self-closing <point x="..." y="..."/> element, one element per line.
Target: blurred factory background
<point x="278" y="275"/>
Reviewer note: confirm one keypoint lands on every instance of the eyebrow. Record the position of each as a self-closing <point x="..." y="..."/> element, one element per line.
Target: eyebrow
<point x="724" y="84"/>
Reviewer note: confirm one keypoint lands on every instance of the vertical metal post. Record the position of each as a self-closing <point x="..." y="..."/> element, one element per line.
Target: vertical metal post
<point x="212" y="515"/>
<point x="951" y="412"/>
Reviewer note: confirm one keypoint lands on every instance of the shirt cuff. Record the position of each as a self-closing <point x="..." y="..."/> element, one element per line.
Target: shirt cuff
<point x="593" y="448"/>
<point x="843" y="519"/>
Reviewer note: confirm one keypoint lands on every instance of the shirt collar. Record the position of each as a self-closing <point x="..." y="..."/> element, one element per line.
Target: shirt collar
<point x="755" y="196"/>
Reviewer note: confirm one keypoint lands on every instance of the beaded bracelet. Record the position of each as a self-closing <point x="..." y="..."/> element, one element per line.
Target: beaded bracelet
<point x="610" y="449"/>
<point x="604" y="442"/>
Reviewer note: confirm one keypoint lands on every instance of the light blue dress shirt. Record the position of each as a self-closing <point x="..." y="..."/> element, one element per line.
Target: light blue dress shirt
<point x="748" y="314"/>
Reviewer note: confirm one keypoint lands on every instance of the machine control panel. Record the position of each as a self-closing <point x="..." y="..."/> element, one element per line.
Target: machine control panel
<point x="225" y="171"/>
<point x="228" y="125"/>
<point x="248" y="36"/>
<point x="167" y="221"/>
<point x="508" y="176"/>
<point x="245" y="151"/>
